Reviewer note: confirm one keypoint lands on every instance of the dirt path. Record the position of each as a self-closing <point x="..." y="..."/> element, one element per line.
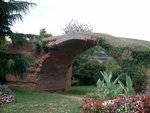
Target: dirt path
<point x="79" y="98"/>
<point x="74" y="97"/>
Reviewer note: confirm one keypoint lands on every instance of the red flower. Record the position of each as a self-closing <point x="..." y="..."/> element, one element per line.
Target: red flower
<point x="3" y="100"/>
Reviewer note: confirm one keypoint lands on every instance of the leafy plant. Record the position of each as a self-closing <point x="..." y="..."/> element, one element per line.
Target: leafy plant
<point x="107" y="89"/>
<point x="128" y="89"/>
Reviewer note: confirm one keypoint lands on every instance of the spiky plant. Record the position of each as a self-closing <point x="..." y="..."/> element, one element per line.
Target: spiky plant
<point x="108" y="89"/>
<point x="128" y="88"/>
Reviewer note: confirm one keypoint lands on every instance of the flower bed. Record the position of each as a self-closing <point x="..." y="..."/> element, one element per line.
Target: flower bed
<point x="6" y="95"/>
<point x="6" y="99"/>
<point x="132" y="104"/>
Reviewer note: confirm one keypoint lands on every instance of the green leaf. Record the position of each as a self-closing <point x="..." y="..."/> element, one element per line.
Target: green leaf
<point x="10" y="63"/>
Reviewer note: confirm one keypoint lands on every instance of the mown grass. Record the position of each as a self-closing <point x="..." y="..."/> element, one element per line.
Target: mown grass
<point x="33" y="102"/>
<point x="80" y="90"/>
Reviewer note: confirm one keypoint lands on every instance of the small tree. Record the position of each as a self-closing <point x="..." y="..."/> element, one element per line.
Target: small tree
<point x="43" y="33"/>
<point x="74" y="26"/>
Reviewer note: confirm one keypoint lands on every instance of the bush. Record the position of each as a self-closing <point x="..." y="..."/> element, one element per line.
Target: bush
<point x="137" y="73"/>
<point x="87" y="71"/>
<point x="113" y="67"/>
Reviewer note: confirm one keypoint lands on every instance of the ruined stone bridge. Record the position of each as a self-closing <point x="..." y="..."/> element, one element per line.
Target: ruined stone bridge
<point x="56" y="69"/>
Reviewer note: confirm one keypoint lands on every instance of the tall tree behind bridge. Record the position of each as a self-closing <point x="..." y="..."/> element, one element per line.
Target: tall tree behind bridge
<point x="74" y="26"/>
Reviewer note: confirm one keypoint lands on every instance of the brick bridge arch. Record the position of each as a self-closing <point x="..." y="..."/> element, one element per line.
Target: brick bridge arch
<point x="56" y="70"/>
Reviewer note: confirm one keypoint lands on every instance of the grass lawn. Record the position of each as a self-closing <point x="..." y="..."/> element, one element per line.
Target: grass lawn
<point x="33" y="102"/>
<point x="80" y="90"/>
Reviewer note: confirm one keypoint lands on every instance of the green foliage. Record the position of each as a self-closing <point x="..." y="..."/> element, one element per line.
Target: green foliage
<point x="112" y="50"/>
<point x="15" y="64"/>
<point x="107" y="89"/>
<point x="131" y="62"/>
<point x="94" y="51"/>
<point x="38" y="43"/>
<point x="119" y="71"/>
<point x="126" y="61"/>
<point x="137" y="72"/>
<point x="5" y="90"/>
<point x="105" y="45"/>
<point x="86" y="68"/>
<point x="75" y="82"/>
<point x="87" y="71"/>
<point x="40" y="46"/>
<point x="18" y="40"/>
<point x="111" y="65"/>
<point x="43" y="33"/>
<point x="141" y="57"/>
<point x="128" y="89"/>
<point x="10" y="12"/>
<point x="2" y="45"/>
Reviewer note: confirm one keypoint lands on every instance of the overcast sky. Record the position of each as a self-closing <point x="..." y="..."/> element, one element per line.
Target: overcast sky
<point x="121" y="18"/>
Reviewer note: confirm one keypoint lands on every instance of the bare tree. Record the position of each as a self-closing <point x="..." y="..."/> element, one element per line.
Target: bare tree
<point x="74" y="26"/>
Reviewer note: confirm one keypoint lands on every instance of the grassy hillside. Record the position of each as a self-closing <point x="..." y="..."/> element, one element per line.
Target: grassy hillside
<point x="115" y="41"/>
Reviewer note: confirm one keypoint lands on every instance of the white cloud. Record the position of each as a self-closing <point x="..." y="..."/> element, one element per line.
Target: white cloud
<point x="125" y="18"/>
